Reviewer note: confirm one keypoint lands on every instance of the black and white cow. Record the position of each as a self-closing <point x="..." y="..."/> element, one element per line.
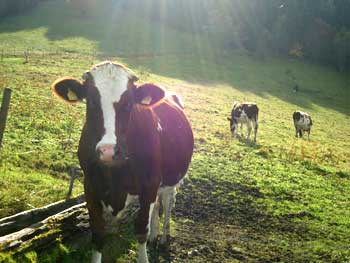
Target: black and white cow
<point x="244" y="112"/>
<point x="302" y="123"/>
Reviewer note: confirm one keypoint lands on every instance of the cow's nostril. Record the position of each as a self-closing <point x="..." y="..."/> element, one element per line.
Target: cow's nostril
<point x="106" y="152"/>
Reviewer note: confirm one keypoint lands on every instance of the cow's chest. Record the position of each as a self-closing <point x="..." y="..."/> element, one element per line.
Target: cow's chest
<point x="303" y="123"/>
<point x="242" y="117"/>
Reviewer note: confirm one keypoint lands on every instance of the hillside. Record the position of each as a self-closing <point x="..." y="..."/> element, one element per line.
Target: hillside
<point x="281" y="199"/>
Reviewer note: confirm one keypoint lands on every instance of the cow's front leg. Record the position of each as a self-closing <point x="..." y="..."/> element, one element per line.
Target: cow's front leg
<point x="168" y="201"/>
<point x="97" y="225"/>
<point x="154" y="231"/>
<point x="142" y="227"/>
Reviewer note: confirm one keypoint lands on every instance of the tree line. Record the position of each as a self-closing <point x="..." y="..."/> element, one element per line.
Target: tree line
<point x="13" y="7"/>
<point x="314" y="30"/>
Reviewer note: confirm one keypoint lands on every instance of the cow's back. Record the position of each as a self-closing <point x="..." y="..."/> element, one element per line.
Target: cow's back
<point x="176" y="141"/>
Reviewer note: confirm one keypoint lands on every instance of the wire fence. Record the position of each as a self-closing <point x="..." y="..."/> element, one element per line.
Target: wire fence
<point x="28" y="53"/>
<point x="45" y="53"/>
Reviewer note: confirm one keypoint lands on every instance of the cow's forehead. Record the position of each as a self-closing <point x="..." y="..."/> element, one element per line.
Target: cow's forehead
<point x="108" y="71"/>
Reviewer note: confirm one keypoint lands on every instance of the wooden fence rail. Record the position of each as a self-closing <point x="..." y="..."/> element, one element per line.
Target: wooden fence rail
<point x="26" y="218"/>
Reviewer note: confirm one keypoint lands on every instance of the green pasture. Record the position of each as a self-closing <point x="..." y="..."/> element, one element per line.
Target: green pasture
<point x="280" y="199"/>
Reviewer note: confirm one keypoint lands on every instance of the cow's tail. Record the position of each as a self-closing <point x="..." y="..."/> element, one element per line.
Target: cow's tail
<point x="310" y="121"/>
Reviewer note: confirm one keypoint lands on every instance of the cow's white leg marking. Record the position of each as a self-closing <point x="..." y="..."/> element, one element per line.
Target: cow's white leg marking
<point x="168" y="198"/>
<point x="142" y="253"/>
<point x="155" y="222"/>
<point x="96" y="257"/>
<point x="255" y="126"/>
<point x="142" y="250"/>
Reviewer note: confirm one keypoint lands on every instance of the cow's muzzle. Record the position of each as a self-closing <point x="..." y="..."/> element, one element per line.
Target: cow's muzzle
<point x="111" y="155"/>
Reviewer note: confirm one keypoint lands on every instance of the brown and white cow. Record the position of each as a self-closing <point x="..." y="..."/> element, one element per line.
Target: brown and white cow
<point x="136" y="142"/>
<point x="244" y="112"/>
<point x="302" y="123"/>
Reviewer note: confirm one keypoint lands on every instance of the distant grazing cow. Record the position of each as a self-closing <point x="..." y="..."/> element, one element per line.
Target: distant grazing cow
<point x="136" y="142"/>
<point x="302" y="122"/>
<point x="296" y="88"/>
<point x="244" y="112"/>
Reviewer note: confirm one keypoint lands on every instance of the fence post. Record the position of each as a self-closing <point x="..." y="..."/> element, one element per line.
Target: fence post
<point x="26" y="56"/>
<point x="73" y="175"/>
<point x="3" y="111"/>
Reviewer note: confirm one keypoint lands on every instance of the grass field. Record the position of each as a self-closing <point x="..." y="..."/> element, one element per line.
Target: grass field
<point x="282" y="199"/>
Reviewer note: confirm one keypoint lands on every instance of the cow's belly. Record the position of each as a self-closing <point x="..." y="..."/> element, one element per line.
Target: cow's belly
<point x="242" y="119"/>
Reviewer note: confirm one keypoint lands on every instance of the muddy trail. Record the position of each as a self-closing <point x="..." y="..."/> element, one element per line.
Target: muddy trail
<point x="214" y="225"/>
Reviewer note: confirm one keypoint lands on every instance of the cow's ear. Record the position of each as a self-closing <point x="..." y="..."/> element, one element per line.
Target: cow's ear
<point x="69" y="89"/>
<point x="149" y="94"/>
<point x="229" y="119"/>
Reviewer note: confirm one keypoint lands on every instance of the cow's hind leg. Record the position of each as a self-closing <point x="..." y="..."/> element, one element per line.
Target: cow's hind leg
<point x="168" y="198"/>
<point x="249" y="129"/>
<point x="308" y="134"/>
<point x="255" y="125"/>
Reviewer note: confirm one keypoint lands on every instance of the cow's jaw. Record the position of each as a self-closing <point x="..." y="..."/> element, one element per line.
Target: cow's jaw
<point x="111" y="82"/>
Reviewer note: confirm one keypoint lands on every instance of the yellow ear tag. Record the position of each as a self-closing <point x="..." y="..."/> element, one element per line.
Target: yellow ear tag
<point x="71" y="95"/>
<point x="147" y="100"/>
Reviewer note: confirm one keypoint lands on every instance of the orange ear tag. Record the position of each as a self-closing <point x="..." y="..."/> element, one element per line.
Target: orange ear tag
<point x="71" y="95"/>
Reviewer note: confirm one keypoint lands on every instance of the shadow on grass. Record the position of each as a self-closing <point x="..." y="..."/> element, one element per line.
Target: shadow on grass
<point x="239" y="205"/>
<point x="128" y="32"/>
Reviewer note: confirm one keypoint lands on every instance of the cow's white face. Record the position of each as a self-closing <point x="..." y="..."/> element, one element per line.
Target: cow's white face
<point x="111" y="81"/>
<point x="107" y="83"/>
